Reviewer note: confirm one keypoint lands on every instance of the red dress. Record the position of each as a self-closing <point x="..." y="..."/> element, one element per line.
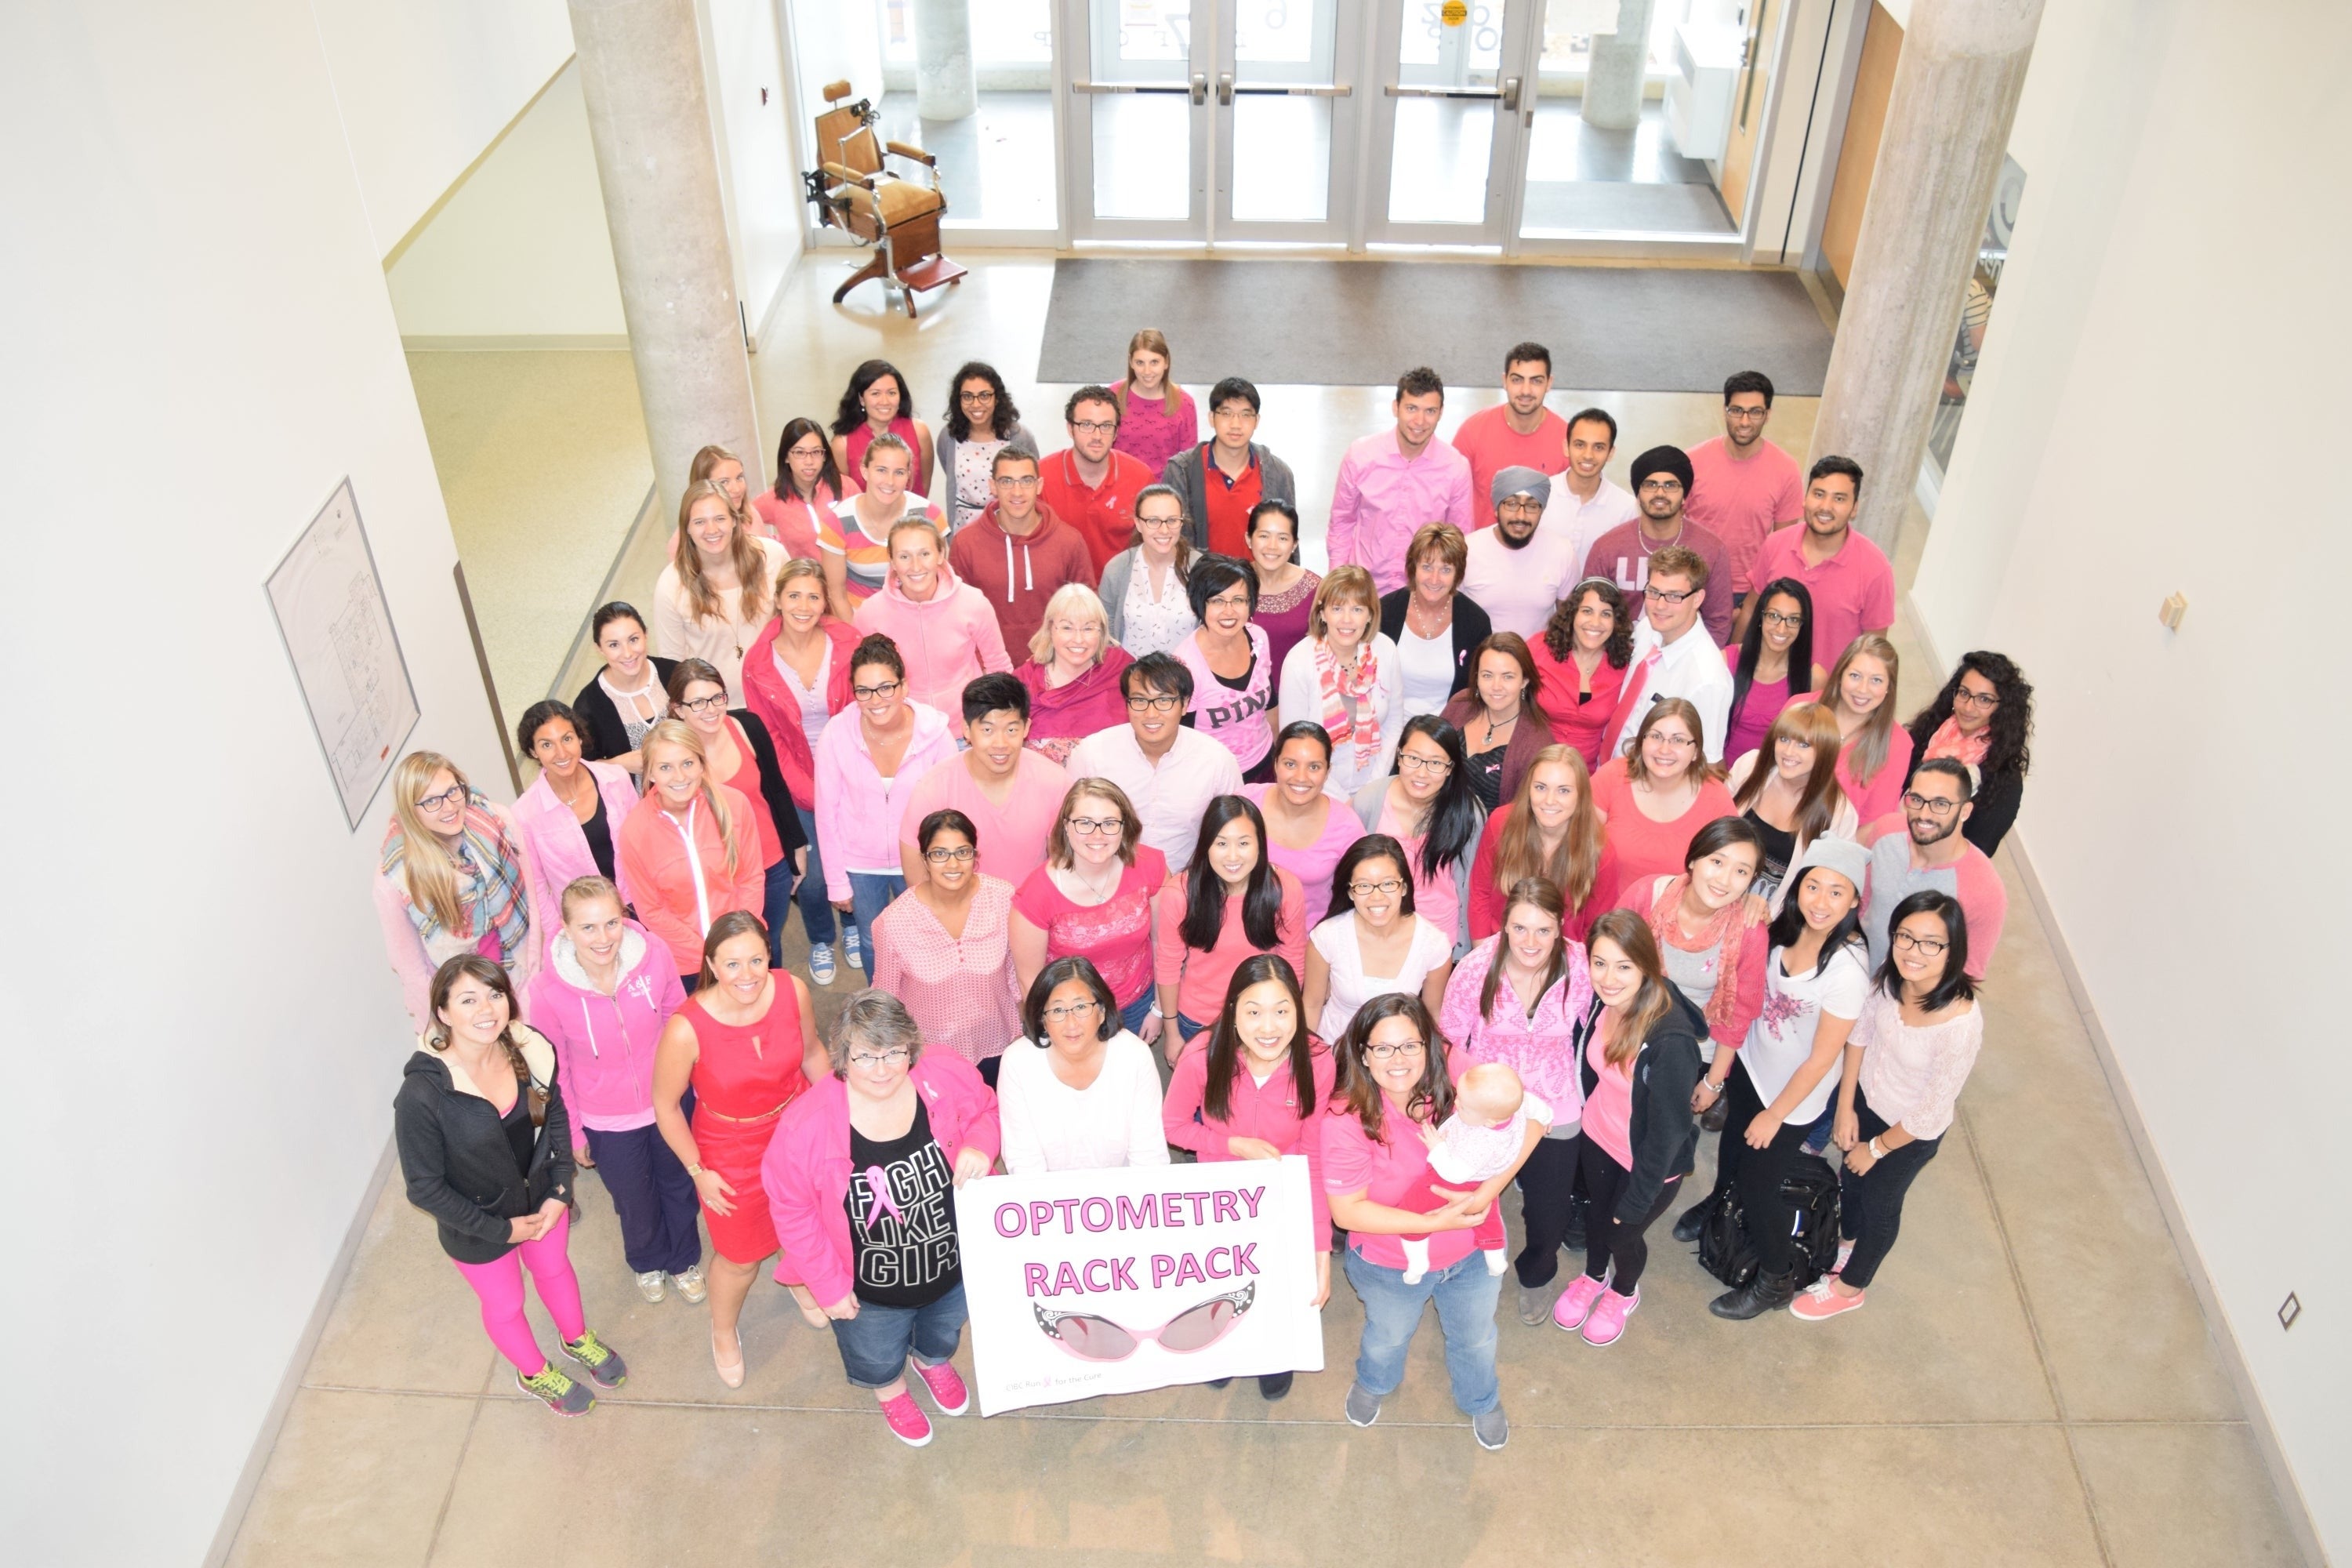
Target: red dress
<point x="744" y="1075"/>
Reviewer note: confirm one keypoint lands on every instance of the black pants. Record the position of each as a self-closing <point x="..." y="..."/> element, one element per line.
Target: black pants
<point x="1870" y="1208"/>
<point x="1608" y="1238"/>
<point x="1547" y="1202"/>
<point x="1756" y="1175"/>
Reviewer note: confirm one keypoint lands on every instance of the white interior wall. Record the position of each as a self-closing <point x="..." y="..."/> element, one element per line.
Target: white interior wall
<point x="423" y="85"/>
<point x="2168" y="330"/>
<point x="1807" y="114"/>
<point x="520" y="254"/>
<point x="205" y="1038"/>
<point x="752" y="114"/>
<point x="833" y="39"/>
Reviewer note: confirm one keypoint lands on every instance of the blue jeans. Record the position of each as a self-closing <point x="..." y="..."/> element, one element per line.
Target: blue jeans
<point x="776" y="908"/>
<point x="1186" y="1028"/>
<point x="1131" y="1017"/>
<point x="816" y="909"/>
<point x="875" y="1343"/>
<point x="1466" y="1298"/>
<point x="869" y="894"/>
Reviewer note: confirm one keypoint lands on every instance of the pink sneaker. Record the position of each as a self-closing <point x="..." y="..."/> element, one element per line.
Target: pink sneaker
<point x="1609" y="1315"/>
<point x="907" y="1422"/>
<point x="947" y="1389"/>
<point x="1575" y="1303"/>
<point x="1819" y="1303"/>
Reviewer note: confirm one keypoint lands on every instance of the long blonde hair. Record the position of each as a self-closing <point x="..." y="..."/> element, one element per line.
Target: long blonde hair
<point x="750" y="564"/>
<point x="1575" y="866"/>
<point x="708" y="459"/>
<point x="1870" y="742"/>
<point x="1149" y="339"/>
<point x="1071" y="601"/>
<point x="677" y="732"/>
<point x="425" y="866"/>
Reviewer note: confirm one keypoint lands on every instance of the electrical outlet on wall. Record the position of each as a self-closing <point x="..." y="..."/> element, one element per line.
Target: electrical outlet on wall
<point x="2289" y="1310"/>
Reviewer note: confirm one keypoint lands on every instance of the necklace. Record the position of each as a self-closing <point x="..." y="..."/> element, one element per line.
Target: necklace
<point x="1100" y="890"/>
<point x="573" y="798"/>
<point x="1510" y="723"/>
<point x="1427" y="623"/>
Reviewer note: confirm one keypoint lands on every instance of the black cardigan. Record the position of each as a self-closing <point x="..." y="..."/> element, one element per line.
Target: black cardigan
<point x="1471" y="627"/>
<point x="1996" y="801"/>
<point x="606" y="736"/>
<point x="456" y="1162"/>
<point x="1662" y="1129"/>
<point x="773" y="788"/>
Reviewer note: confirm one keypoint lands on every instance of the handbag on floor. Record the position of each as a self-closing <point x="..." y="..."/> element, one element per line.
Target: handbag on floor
<point x="1727" y="1250"/>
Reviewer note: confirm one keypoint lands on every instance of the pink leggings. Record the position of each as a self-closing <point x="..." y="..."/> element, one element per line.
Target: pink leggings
<point x="500" y="1285"/>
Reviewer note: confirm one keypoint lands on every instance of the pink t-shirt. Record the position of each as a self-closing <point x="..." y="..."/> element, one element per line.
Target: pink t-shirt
<point x="1741" y="501"/>
<point x="1116" y="934"/>
<point x="1622" y="556"/>
<point x="1200" y="978"/>
<point x="1435" y="899"/>
<point x="1752" y="720"/>
<point x="1393" y="1172"/>
<point x="1609" y="1109"/>
<point x="1645" y="847"/>
<point x="1313" y="865"/>
<point x="1011" y="836"/>
<point x="1487" y="439"/>
<point x="1854" y="591"/>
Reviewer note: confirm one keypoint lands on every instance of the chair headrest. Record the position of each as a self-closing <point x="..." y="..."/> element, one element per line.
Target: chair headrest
<point x="834" y="91"/>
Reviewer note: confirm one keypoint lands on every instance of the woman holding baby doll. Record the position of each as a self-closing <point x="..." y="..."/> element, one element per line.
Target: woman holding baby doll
<point x="1392" y="1086"/>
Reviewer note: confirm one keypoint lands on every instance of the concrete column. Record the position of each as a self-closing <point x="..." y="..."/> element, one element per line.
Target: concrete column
<point x="1612" y="77"/>
<point x="641" y="74"/>
<point x="945" y="87"/>
<point x="1948" y="123"/>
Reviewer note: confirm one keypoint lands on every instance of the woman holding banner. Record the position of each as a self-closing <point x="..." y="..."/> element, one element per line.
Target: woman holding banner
<point x="1392" y="1085"/>
<point x="861" y="1179"/>
<point x="1236" y="1096"/>
<point x="1079" y="1091"/>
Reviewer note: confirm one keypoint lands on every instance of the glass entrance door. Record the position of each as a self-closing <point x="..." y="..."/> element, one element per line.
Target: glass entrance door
<point x="1286" y="119"/>
<point x="1449" y="131"/>
<point x="1138" y="137"/>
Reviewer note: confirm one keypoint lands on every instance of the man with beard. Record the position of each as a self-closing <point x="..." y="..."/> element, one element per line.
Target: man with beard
<point x="1746" y="486"/>
<point x="1849" y="577"/>
<point x="1924" y="847"/>
<point x="1517" y="572"/>
<point x="1662" y="481"/>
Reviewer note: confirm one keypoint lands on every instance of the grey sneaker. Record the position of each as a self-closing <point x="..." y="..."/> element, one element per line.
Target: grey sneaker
<point x="604" y="1362"/>
<point x="1363" y="1406"/>
<point x="561" y="1395"/>
<point x="690" y="1284"/>
<point x="1493" y="1429"/>
<point x="821" y="968"/>
<point x="1535" y="1304"/>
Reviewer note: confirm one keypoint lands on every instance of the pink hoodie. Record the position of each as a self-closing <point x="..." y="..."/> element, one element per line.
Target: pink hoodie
<point x="807" y="1171"/>
<point x="858" y="821"/>
<point x="945" y="639"/>
<point x="604" y="1045"/>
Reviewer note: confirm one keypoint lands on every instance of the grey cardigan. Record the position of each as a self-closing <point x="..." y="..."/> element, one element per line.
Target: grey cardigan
<point x="943" y="451"/>
<point x="1368" y="802"/>
<point x="1184" y="475"/>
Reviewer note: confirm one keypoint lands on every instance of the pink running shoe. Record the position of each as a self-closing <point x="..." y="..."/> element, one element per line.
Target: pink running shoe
<point x="1818" y="1303"/>
<point x="947" y="1390"/>
<point x="907" y="1422"/>
<point x="1609" y="1315"/>
<point x="1575" y="1303"/>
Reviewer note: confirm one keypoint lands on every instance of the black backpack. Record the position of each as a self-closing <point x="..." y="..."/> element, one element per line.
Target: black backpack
<point x="1727" y="1251"/>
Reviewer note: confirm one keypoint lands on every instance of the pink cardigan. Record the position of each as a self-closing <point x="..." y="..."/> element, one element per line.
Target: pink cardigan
<point x="1540" y="1049"/>
<point x="766" y="693"/>
<point x="945" y="639"/>
<point x="415" y="968"/>
<point x="1267" y="1111"/>
<point x="559" y="849"/>
<point x="858" y="820"/>
<point x="806" y="1169"/>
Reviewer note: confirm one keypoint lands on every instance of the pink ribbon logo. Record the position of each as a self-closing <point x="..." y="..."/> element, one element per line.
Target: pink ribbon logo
<point x="878" y="1192"/>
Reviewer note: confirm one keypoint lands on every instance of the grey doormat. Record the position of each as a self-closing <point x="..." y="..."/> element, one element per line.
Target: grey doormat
<point x="1361" y="323"/>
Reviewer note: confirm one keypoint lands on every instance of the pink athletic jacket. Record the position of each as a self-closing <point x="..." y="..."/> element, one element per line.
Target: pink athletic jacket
<point x="806" y="1170"/>
<point x="945" y="639"/>
<point x="653" y="848"/>
<point x="604" y="1045"/>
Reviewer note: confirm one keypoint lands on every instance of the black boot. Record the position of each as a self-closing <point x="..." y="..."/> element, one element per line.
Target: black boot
<point x="1714" y="1117"/>
<point x="1272" y="1385"/>
<point x="1765" y="1293"/>
<point x="1694" y="1219"/>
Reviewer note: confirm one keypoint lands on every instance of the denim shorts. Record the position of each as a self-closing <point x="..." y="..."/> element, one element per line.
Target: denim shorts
<point x="875" y="1344"/>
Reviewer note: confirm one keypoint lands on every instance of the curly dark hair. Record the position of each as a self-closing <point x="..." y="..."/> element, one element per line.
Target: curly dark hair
<point x="1559" y="635"/>
<point x="958" y="423"/>
<point x="2011" y="749"/>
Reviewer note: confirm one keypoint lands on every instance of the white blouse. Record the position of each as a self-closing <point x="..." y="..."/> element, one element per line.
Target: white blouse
<point x="1113" y="1121"/>
<point x="1426" y="668"/>
<point x="1337" y="940"/>
<point x="1155" y="626"/>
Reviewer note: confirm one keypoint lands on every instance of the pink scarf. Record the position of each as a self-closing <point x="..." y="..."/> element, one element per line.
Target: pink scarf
<point x="1341" y="686"/>
<point x="1728" y="925"/>
<point x="1948" y="742"/>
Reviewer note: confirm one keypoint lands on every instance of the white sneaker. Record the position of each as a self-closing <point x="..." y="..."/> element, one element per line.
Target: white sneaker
<point x="821" y="962"/>
<point x="649" y="1284"/>
<point x="689" y="1284"/>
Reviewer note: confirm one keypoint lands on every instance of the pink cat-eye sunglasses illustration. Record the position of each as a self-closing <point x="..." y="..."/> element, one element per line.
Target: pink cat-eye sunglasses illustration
<point x="1091" y="1337"/>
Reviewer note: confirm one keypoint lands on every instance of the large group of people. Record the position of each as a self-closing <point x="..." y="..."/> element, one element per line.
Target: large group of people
<point x="1548" y="827"/>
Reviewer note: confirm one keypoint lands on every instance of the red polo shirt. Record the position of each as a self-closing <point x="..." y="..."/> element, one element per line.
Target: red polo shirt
<point x="1230" y="502"/>
<point x="1103" y="514"/>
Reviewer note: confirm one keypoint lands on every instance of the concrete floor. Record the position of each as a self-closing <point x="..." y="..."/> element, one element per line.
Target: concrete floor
<point x="2033" y="1381"/>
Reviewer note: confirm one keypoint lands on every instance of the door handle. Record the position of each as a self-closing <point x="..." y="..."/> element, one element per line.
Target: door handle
<point x="1486" y="94"/>
<point x="1511" y="85"/>
<point x="1225" y="89"/>
<point x="1199" y="87"/>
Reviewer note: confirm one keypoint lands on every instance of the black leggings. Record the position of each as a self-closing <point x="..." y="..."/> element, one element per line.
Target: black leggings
<point x="1756" y="1175"/>
<point x="1547" y="1203"/>
<point x="1870" y="1211"/>
<point x="1608" y="1238"/>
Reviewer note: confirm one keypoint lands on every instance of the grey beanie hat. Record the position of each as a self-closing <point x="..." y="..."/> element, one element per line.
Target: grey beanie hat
<point x="1843" y="855"/>
<point x="1519" y="482"/>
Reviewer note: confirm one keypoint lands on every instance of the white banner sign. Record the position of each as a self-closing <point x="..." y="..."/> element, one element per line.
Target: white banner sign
<point x="1089" y="1282"/>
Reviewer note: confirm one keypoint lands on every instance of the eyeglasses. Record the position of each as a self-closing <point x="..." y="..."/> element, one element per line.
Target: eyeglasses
<point x="1391" y="887"/>
<point x="896" y="1056"/>
<point x="1069" y="1011"/>
<point x="1775" y="618"/>
<point x="715" y="703"/>
<point x="869" y="693"/>
<point x="1746" y="414"/>
<point x="1230" y="602"/>
<point x="1092" y="1337"/>
<point x="1671" y="741"/>
<point x="1160" y="702"/>
<point x="1989" y="699"/>
<point x="1407" y="763"/>
<point x="1090" y="825"/>
<point x="959" y="856"/>
<point x="1017" y="481"/>
<point x="453" y="795"/>
<point x="1928" y="946"/>
<point x="1933" y="804"/>
<point x="1408" y="1049"/>
<point x="1667" y="596"/>
<point x="982" y="397"/>
<point x="1661" y="487"/>
<point x="810" y="452"/>
<point x="1095" y="426"/>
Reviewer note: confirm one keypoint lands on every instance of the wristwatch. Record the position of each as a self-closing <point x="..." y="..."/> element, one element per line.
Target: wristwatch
<point x="692" y="1171"/>
<point x="1877" y="1150"/>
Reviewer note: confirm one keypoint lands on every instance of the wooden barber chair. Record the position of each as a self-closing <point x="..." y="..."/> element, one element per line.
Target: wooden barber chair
<point x="854" y="192"/>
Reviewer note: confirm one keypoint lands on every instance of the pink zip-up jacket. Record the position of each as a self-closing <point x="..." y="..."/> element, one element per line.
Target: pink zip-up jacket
<point x="858" y="820"/>
<point x="806" y="1169"/>
<point x="1541" y="1049"/>
<point x="1267" y="1111"/>
<point x="604" y="1045"/>
<point x="766" y="694"/>
<point x="559" y="847"/>
<point x="945" y="639"/>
